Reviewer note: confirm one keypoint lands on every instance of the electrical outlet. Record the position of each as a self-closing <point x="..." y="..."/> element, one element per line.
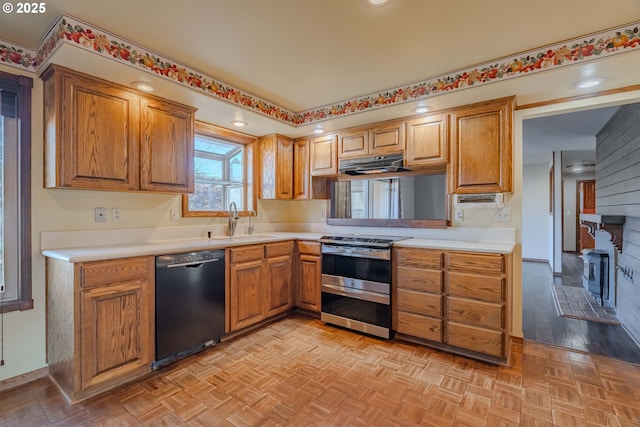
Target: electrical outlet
<point x="503" y="215"/>
<point x="322" y="213"/>
<point x="100" y="215"/>
<point x="116" y="214"/>
<point x="459" y="215"/>
<point x="174" y="215"/>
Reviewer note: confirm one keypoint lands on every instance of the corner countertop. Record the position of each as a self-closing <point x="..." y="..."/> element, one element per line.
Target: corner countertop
<point x="163" y="247"/>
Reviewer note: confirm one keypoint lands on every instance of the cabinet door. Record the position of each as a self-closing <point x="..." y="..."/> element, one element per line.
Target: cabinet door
<point x="116" y="331"/>
<point x="309" y="282"/>
<point x="353" y="143"/>
<point x="387" y="138"/>
<point x="276" y="166"/>
<point x="427" y="141"/>
<point x="279" y="297"/>
<point x="301" y="175"/>
<point x="268" y="164"/>
<point x="97" y="134"/>
<point x="481" y="148"/>
<point x="324" y="155"/>
<point x="284" y="172"/>
<point x="166" y="151"/>
<point x="246" y="291"/>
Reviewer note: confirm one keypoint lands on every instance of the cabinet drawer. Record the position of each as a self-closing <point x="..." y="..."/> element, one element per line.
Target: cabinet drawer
<point x="419" y="258"/>
<point x="278" y="249"/>
<point x="485" y="264"/>
<point x="309" y="248"/>
<point x="114" y="271"/>
<point x="488" y="289"/>
<point x="478" y="313"/>
<point x="475" y="339"/>
<point x="246" y="253"/>
<point x="419" y="279"/>
<point x="420" y="326"/>
<point x="420" y="303"/>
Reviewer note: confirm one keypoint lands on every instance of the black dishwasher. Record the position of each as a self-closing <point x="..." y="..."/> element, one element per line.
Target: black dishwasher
<point x="189" y="303"/>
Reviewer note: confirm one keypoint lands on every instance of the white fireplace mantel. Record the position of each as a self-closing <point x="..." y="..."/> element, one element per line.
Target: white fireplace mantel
<point x="612" y="224"/>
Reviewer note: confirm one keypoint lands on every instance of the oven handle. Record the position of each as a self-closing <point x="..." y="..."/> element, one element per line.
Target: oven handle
<point x="356" y="252"/>
<point x="357" y="294"/>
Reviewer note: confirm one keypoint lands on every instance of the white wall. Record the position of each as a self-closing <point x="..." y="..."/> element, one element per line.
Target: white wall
<point x="535" y="212"/>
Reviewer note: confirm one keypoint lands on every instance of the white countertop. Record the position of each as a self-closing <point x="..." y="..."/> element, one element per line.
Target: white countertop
<point x="458" y="245"/>
<point x="96" y="253"/>
<point x="162" y="247"/>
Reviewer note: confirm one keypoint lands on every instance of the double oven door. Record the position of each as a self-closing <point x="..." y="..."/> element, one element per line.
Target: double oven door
<point x="356" y="288"/>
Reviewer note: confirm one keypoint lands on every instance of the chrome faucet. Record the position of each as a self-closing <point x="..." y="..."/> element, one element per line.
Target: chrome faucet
<point x="233" y="218"/>
<point x="251" y="227"/>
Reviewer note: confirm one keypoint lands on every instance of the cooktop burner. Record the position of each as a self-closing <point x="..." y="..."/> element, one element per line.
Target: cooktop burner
<point x="360" y="240"/>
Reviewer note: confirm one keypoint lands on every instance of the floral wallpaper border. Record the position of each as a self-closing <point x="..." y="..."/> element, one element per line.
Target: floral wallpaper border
<point x="85" y="36"/>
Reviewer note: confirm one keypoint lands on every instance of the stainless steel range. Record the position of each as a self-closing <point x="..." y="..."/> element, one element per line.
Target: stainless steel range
<point x="356" y="282"/>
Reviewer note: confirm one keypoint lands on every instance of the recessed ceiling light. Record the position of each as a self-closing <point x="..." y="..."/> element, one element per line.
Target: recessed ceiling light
<point x="588" y="84"/>
<point x="376" y="3"/>
<point x="143" y="86"/>
<point x="239" y="123"/>
<point x="421" y="109"/>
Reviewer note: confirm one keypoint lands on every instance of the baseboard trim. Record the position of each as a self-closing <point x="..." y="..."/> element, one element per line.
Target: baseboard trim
<point x="23" y="379"/>
<point x="536" y="260"/>
<point x="517" y="340"/>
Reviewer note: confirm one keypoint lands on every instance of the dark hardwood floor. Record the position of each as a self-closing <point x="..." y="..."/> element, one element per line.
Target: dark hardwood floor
<point x="540" y="321"/>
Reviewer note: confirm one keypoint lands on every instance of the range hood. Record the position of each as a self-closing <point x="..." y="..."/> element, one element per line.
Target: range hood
<point x="372" y="165"/>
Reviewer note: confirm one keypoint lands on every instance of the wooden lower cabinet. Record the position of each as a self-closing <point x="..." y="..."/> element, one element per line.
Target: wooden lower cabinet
<point x="114" y="332"/>
<point x="100" y="323"/>
<point x="259" y="282"/>
<point x="458" y="300"/>
<point x="309" y="276"/>
<point x="246" y="289"/>
<point x="279" y="292"/>
<point x="418" y="293"/>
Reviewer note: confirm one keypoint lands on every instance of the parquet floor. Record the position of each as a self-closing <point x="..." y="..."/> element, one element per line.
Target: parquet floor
<point x="300" y="372"/>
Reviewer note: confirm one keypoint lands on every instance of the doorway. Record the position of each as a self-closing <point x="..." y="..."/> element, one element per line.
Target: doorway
<point x="571" y="193"/>
<point x="585" y="204"/>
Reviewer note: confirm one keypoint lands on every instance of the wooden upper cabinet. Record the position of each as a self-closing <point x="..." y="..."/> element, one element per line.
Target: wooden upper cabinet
<point x="387" y="138"/>
<point x="383" y="138"/>
<point x="481" y="148"/>
<point x="276" y="177"/>
<point x="91" y="133"/>
<point x="427" y="141"/>
<point x="103" y="136"/>
<point x="166" y="151"/>
<point x="353" y="143"/>
<point x="324" y="159"/>
<point x="301" y="176"/>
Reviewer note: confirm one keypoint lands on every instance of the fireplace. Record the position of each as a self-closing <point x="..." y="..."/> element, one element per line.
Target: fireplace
<point x="596" y="274"/>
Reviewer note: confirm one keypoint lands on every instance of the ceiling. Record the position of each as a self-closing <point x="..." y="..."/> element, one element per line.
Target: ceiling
<point x="572" y="133"/>
<point x="302" y="54"/>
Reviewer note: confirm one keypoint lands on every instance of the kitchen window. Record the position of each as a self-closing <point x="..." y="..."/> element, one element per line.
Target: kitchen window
<point x="223" y="172"/>
<point x="15" y="192"/>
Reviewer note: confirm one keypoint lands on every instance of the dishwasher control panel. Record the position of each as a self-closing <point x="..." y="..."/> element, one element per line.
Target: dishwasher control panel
<point x="189" y="258"/>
